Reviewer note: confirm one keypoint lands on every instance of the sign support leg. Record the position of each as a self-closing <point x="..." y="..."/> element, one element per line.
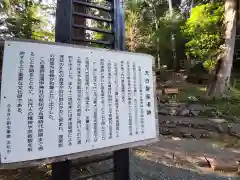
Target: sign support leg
<point x="121" y="157"/>
<point x="121" y="164"/>
<point x="61" y="170"/>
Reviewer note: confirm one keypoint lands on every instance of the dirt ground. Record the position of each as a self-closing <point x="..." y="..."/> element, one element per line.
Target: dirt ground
<point x="199" y="156"/>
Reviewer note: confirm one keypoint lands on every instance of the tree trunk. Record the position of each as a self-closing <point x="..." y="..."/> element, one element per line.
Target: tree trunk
<point x="222" y="75"/>
<point x="158" y="47"/>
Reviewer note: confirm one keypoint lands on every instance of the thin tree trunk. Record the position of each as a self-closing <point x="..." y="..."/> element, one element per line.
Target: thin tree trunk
<point x="158" y="45"/>
<point x="221" y="80"/>
<point x="158" y="48"/>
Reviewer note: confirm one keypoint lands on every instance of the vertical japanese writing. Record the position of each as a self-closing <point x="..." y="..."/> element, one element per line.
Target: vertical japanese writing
<point x="87" y="101"/>
<point x="141" y="100"/>
<point x="51" y="87"/>
<point x="79" y="100"/>
<point x="30" y="125"/>
<point x="20" y="83"/>
<point x="30" y="104"/>
<point x="148" y="97"/>
<point x="103" y="130"/>
<point x="94" y="93"/>
<point x="41" y="104"/>
<point x="135" y="97"/>
<point x="31" y="75"/>
<point x="123" y="81"/>
<point x="9" y="129"/>
<point x="70" y="100"/>
<point x="109" y="67"/>
<point x="129" y="99"/>
<point x="60" y="101"/>
<point x="116" y="98"/>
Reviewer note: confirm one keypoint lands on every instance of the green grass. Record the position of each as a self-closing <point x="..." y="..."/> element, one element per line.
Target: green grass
<point x="190" y="90"/>
<point x="227" y="107"/>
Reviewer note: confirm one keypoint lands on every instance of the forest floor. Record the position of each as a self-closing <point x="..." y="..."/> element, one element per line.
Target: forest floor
<point x="191" y="100"/>
<point x="204" y="156"/>
<point x="207" y="124"/>
<point x="225" y="107"/>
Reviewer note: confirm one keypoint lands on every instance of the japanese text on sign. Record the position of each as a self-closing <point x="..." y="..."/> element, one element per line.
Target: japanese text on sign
<point x="58" y="100"/>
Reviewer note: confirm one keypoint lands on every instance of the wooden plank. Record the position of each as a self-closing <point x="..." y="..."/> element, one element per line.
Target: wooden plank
<point x="170" y="91"/>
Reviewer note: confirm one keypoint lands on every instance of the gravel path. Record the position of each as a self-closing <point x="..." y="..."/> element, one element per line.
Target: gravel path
<point x="140" y="169"/>
<point x="147" y="170"/>
<point x="143" y="169"/>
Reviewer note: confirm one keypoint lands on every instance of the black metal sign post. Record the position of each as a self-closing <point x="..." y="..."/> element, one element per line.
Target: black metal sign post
<point x="121" y="164"/>
<point x="121" y="157"/>
<point x="70" y="28"/>
<point x="62" y="170"/>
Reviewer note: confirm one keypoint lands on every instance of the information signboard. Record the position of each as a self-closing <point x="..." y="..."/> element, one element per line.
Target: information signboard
<point x="58" y="100"/>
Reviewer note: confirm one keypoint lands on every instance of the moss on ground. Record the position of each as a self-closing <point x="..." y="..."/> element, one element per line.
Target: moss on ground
<point x="227" y="107"/>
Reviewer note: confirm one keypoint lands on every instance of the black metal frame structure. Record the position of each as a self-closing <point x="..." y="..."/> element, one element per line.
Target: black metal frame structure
<point x="71" y="15"/>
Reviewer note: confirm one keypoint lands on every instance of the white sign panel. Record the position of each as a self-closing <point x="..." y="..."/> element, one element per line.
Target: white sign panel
<point x="58" y="100"/>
